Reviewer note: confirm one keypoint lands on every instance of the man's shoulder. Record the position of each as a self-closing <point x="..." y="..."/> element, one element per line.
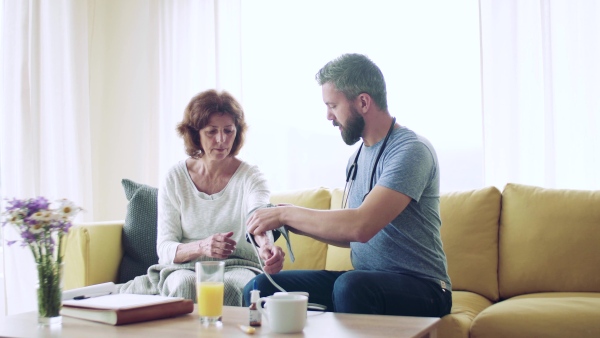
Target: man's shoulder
<point x="405" y="137"/>
<point x="404" y="133"/>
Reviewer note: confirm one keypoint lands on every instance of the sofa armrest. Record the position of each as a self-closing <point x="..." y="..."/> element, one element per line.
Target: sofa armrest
<point x="93" y="253"/>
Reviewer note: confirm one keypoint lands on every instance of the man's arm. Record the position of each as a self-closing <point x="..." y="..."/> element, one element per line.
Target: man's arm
<point x="337" y="227"/>
<point x="324" y="240"/>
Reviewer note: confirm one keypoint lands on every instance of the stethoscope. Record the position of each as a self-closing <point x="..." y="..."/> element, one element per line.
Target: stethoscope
<point x="351" y="175"/>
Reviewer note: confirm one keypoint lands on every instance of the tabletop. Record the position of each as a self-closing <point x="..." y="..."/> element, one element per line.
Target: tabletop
<point x="319" y="324"/>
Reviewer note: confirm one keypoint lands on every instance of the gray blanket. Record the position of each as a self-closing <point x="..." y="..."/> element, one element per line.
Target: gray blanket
<point x="179" y="280"/>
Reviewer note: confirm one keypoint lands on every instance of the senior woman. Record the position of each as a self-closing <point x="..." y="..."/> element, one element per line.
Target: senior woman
<point x="205" y="199"/>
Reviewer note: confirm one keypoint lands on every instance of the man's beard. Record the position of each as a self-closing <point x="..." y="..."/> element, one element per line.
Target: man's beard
<point x="353" y="128"/>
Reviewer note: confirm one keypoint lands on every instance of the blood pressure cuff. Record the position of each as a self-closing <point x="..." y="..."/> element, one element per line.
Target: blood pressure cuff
<point x="275" y="233"/>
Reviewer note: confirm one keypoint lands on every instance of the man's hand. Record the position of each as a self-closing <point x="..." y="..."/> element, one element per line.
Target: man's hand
<point x="273" y="257"/>
<point x="263" y="220"/>
<point x="219" y="245"/>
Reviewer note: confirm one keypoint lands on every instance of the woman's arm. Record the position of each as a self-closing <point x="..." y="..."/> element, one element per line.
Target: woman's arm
<point x="169" y="227"/>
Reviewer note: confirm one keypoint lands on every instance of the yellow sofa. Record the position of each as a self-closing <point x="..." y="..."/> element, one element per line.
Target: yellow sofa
<point x="523" y="262"/>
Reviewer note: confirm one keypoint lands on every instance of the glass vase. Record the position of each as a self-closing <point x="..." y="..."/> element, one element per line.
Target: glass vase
<point x="49" y="292"/>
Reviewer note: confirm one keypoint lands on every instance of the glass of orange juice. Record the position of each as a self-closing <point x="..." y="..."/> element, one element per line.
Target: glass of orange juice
<point x="209" y="288"/>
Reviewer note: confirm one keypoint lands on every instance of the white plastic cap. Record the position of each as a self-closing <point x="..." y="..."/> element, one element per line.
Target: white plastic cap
<point x="254" y="296"/>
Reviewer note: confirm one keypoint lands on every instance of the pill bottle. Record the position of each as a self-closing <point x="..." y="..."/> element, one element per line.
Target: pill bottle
<point x="255" y="316"/>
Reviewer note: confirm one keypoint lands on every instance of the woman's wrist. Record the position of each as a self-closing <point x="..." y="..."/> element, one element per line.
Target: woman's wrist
<point x="188" y="251"/>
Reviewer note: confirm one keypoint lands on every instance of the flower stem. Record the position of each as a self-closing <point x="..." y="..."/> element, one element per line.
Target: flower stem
<point x="49" y="289"/>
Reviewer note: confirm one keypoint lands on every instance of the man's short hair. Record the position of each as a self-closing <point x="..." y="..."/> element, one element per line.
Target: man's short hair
<point x="354" y="74"/>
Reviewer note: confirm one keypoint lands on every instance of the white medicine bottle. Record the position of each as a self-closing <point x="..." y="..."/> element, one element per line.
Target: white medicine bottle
<point x="255" y="316"/>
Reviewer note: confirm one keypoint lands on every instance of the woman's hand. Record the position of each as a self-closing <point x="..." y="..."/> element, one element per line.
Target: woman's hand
<point x="273" y="257"/>
<point x="219" y="245"/>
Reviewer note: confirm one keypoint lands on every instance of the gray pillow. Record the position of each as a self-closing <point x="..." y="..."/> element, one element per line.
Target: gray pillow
<point x="139" y="231"/>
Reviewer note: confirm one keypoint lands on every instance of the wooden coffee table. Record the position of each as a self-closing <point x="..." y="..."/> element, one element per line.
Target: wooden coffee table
<point x="319" y="324"/>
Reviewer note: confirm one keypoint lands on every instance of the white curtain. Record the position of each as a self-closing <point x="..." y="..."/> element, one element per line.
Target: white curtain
<point x="541" y="92"/>
<point x="266" y="53"/>
<point x="427" y="50"/>
<point x="94" y="90"/>
<point x="91" y="92"/>
<point x="199" y="49"/>
<point x="2" y="270"/>
<point x="44" y="147"/>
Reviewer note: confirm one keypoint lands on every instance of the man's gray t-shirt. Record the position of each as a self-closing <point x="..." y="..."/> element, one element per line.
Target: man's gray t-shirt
<point x="411" y="243"/>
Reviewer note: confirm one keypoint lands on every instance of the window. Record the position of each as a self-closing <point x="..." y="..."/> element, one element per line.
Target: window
<point x="427" y="50"/>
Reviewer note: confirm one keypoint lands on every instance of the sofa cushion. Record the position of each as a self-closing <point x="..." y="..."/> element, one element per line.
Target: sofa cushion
<point x="549" y="240"/>
<point x="465" y="307"/>
<point x="470" y="238"/>
<point x="139" y="230"/>
<point x="547" y="315"/>
<point x="310" y="254"/>
<point x="93" y="253"/>
<point x="336" y="198"/>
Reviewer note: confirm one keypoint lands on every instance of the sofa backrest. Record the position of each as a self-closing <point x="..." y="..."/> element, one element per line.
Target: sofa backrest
<point x="338" y="259"/>
<point x="470" y="238"/>
<point x="309" y="253"/>
<point x="549" y="240"/>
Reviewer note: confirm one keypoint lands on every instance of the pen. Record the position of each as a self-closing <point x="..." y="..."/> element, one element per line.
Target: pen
<point x="92" y="295"/>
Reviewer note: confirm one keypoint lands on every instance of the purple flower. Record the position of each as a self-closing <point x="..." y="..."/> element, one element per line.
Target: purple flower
<point x="36" y="204"/>
<point x="16" y="204"/>
<point x="40" y="224"/>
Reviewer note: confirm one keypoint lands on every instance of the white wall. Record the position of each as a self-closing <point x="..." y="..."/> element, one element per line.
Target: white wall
<point x="427" y="50"/>
<point x="124" y="100"/>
